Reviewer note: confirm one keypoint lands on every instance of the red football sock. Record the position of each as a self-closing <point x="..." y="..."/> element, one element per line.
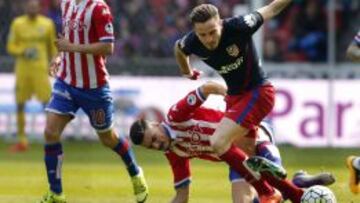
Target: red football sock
<point x="287" y="188"/>
<point x="235" y="157"/>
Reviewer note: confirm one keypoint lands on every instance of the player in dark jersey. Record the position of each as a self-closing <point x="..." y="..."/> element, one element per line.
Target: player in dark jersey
<point x="185" y="135"/>
<point x="226" y="46"/>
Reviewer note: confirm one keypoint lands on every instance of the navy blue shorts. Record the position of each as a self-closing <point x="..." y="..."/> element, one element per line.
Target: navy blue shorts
<point x="97" y="103"/>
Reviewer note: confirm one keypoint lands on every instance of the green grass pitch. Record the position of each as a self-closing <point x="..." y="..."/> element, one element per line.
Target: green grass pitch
<point x="93" y="174"/>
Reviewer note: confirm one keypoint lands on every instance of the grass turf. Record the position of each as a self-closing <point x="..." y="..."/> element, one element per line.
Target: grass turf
<point x="93" y="174"/>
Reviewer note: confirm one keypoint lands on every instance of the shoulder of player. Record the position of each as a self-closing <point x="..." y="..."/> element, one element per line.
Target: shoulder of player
<point x="188" y="39"/>
<point x="19" y="20"/>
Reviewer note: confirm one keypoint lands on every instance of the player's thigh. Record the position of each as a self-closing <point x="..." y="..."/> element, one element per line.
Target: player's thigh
<point x="23" y="88"/>
<point x="250" y="108"/>
<point x="242" y="192"/>
<point x="42" y="87"/>
<point x="247" y="144"/>
<point x="98" y="105"/>
<point x="224" y="135"/>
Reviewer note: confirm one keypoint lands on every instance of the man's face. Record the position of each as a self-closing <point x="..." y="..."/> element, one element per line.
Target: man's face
<point x="33" y="8"/>
<point x="209" y="32"/>
<point x="155" y="138"/>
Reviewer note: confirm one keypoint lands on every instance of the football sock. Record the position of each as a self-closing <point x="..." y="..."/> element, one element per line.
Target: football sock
<point x="123" y="149"/>
<point x="53" y="162"/>
<point x="20" y="122"/>
<point x="235" y="157"/>
<point x="356" y="163"/>
<point x="287" y="188"/>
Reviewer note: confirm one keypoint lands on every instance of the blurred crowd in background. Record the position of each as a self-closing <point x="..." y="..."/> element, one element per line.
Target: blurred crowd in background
<point x="149" y="28"/>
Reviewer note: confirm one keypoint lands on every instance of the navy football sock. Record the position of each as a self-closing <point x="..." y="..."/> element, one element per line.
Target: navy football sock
<point x="53" y="162"/>
<point x="123" y="149"/>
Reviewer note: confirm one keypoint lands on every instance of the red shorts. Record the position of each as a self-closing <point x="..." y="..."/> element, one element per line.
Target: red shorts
<point x="248" y="109"/>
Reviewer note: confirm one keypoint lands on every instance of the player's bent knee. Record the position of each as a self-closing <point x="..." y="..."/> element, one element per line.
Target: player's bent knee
<point x="51" y="134"/>
<point x="108" y="138"/>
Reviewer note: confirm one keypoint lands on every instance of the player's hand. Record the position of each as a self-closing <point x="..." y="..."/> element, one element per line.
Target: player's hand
<point x="194" y="74"/>
<point x="54" y="66"/>
<point x="31" y="53"/>
<point x="63" y="44"/>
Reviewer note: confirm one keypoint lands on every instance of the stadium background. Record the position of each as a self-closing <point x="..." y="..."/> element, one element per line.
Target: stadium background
<point x="303" y="49"/>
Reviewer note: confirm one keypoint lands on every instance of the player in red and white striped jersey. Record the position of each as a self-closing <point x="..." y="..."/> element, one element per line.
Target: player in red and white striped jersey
<point x="186" y="132"/>
<point x="82" y="83"/>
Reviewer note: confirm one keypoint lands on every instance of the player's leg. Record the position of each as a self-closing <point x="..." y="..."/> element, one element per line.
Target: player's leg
<point x="241" y="191"/>
<point x="289" y="190"/>
<point x="42" y="88"/>
<point x="23" y="93"/>
<point x="353" y="164"/>
<point x="246" y="112"/>
<point x="98" y="105"/>
<point x="60" y="110"/>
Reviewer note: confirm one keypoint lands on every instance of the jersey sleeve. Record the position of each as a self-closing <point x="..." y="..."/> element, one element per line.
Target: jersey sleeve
<point x="185" y="108"/>
<point x="102" y="20"/>
<point x="180" y="167"/>
<point x="247" y="24"/>
<point x="186" y="43"/>
<point x="13" y="46"/>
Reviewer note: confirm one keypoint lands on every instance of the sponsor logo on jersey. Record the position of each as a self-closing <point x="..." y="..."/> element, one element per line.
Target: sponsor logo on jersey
<point x="230" y="67"/>
<point x="250" y="20"/>
<point x="109" y="28"/>
<point x="191" y="99"/>
<point x="233" y="50"/>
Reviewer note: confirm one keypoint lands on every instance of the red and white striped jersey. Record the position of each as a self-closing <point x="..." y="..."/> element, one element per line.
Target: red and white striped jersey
<point x="190" y="126"/>
<point x="88" y="22"/>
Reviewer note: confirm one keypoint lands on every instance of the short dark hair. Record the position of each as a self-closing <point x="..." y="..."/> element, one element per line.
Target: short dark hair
<point x="203" y="13"/>
<point x="137" y="131"/>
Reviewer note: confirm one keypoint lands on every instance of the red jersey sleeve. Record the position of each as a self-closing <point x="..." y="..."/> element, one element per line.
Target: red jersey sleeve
<point x="185" y="108"/>
<point x="181" y="169"/>
<point x="102" y="20"/>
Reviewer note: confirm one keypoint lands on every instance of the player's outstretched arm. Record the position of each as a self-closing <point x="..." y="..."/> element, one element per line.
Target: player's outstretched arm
<point x="273" y="9"/>
<point x="182" y="195"/>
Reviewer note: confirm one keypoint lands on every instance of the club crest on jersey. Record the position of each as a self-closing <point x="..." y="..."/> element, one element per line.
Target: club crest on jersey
<point x="250" y="20"/>
<point x="109" y="28"/>
<point x="233" y="50"/>
<point x="191" y="99"/>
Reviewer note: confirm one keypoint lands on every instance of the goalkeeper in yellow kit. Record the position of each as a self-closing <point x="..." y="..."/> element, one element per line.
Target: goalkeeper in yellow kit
<point x="31" y="43"/>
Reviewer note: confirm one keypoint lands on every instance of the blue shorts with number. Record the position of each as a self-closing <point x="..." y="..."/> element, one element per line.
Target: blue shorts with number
<point x="97" y="103"/>
<point x="267" y="150"/>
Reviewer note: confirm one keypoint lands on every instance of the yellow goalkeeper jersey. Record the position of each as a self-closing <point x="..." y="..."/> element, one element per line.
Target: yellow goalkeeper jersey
<point x="32" y="43"/>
